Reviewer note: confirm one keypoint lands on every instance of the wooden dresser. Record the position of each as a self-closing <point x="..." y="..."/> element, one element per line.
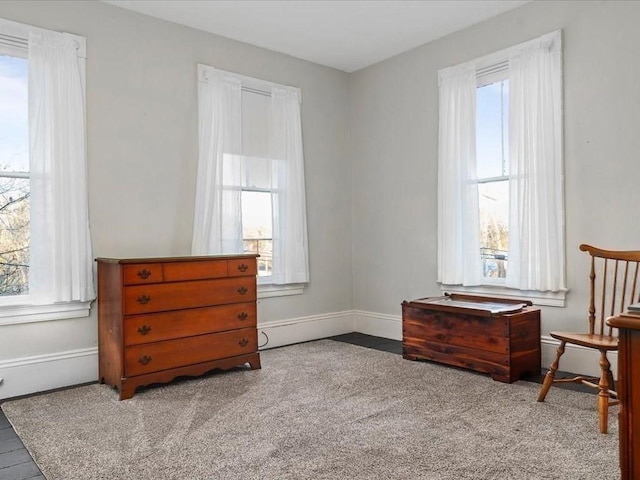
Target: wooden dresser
<point x="628" y="326"/>
<point x="502" y="339"/>
<point x="160" y="318"/>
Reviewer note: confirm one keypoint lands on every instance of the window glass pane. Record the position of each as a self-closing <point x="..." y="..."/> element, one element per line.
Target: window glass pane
<point x="494" y="227"/>
<point x="14" y="192"/>
<point x="257" y="228"/>
<point x="492" y="134"/>
<point x="14" y="115"/>
<point x="14" y="236"/>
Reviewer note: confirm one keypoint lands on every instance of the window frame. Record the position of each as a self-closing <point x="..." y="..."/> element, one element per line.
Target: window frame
<point x="14" y="52"/>
<point x="265" y="289"/>
<point x="19" y="309"/>
<point x="488" y="70"/>
<point x="250" y="158"/>
<point x="484" y="77"/>
<point x="264" y="279"/>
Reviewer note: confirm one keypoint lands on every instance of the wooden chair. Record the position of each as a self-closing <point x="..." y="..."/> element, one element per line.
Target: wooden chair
<point x="613" y="286"/>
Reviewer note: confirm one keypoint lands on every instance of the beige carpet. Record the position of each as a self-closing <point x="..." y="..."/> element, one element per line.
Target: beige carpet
<point x="320" y="410"/>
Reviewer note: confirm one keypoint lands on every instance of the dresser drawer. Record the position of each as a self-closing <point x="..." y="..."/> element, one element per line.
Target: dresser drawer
<point x="142" y="273"/>
<point x="154" y="357"/>
<point x="242" y="267"/>
<point x="155" y="327"/>
<point x="179" y="271"/>
<point x="175" y="296"/>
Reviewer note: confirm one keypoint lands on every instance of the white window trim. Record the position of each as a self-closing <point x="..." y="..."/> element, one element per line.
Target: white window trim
<point x="14" y="314"/>
<point x="14" y="33"/>
<point x="250" y="84"/>
<point x="16" y="309"/>
<point x="548" y="299"/>
<point x="270" y="290"/>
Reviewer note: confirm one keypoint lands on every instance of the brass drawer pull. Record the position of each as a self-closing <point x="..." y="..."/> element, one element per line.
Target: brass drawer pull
<point x="144" y="330"/>
<point x="244" y="342"/>
<point x="242" y="290"/>
<point x="243" y="267"/>
<point x="143" y="299"/>
<point x="243" y="316"/>
<point x="144" y="274"/>
<point x="144" y="360"/>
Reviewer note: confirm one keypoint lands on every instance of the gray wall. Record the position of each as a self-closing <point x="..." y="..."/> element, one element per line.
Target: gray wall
<point x="142" y="152"/>
<point x="370" y="142"/>
<point x="394" y="122"/>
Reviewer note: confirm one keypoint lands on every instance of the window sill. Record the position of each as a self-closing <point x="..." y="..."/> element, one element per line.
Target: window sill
<point x="268" y="290"/>
<point x="12" y="314"/>
<point x="548" y="299"/>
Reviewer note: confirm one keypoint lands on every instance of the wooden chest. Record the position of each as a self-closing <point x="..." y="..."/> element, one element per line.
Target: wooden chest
<point x="504" y="345"/>
<point x="160" y="318"/>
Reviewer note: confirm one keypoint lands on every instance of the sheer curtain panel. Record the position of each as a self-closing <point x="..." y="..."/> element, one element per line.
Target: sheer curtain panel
<point x="459" y="260"/>
<point x="217" y="224"/>
<point x="61" y="260"/>
<point x="221" y="168"/>
<point x="536" y="225"/>
<point x="290" y="250"/>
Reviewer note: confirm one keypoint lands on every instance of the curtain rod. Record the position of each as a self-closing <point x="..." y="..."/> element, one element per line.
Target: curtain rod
<point x="248" y="84"/>
<point x="256" y="91"/>
<point x="13" y="41"/>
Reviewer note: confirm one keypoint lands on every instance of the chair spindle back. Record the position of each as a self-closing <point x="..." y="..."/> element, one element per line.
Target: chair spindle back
<point x="613" y="285"/>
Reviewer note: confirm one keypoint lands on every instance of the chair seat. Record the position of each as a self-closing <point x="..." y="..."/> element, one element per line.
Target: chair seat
<point x="600" y="342"/>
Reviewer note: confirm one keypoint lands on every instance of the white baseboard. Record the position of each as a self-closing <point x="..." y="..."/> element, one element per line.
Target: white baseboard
<point x="303" y="329"/>
<point x="26" y="375"/>
<point x="39" y="373"/>
<point x="378" y="324"/>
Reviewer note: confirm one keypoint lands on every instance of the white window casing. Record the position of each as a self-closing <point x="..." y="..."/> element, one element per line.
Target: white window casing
<point x="530" y="275"/>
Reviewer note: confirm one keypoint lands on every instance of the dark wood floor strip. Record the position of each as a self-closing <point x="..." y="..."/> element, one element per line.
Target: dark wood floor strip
<point x="15" y="461"/>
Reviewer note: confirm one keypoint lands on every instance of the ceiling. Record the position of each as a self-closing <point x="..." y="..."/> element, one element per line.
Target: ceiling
<point x="347" y="34"/>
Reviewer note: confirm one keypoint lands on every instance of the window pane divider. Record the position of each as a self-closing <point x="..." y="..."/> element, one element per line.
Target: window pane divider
<point x="500" y="178"/>
<point x="257" y="189"/>
<point x="14" y="174"/>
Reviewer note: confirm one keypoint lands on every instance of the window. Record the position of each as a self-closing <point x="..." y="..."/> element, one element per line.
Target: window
<point x="257" y="227"/>
<point x="492" y="153"/>
<point x="14" y="175"/>
<point x="500" y="181"/>
<point x="257" y="214"/>
<point x="46" y="263"/>
<point x="250" y="193"/>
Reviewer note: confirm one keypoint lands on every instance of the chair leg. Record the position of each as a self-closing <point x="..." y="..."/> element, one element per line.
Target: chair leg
<point x="603" y="392"/>
<point x="551" y="374"/>
<point x="612" y="383"/>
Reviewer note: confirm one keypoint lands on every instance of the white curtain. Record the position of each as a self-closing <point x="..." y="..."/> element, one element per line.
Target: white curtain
<point x="459" y="260"/>
<point x="61" y="263"/>
<point x="217" y="225"/>
<point x="536" y="226"/>
<point x="290" y="250"/>
<point x="218" y="212"/>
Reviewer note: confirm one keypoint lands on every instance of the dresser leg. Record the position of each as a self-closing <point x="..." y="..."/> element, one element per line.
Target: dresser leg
<point x="254" y="363"/>
<point x="126" y="391"/>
